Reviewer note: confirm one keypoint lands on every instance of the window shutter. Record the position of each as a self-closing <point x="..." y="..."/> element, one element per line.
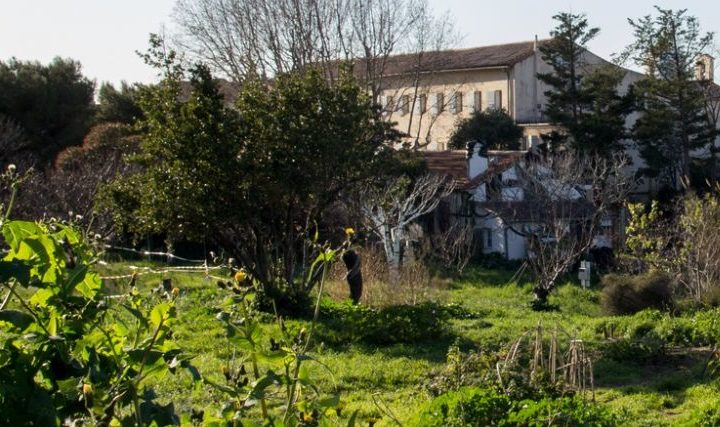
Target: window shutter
<point x="498" y="99"/>
<point x="440" y="102"/>
<point x="478" y="100"/>
<point x="458" y="102"/>
<point x="405" y="104"/>
<point x="422" y="102"/>
<point x="389" y="103"/>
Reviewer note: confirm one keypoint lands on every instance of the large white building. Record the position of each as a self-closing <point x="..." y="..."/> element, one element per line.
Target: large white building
<point x="427" y="96"/>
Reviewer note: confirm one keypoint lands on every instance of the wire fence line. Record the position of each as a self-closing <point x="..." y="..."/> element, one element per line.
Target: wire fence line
<point x="136" y="271"/>
<point x="167" y="255"/>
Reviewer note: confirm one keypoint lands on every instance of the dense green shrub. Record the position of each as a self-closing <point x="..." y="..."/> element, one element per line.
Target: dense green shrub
<point x="488" y="407"/>
<point x="470" y="406"/>
<point x="624" y="294"/>
<point x="564" y="411"/>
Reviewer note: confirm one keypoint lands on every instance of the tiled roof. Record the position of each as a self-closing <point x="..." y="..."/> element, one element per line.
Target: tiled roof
<point x="455" y="165"/>
<point x="501" y="55"/>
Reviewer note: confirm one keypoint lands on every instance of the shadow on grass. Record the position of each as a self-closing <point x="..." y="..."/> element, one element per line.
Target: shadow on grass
<point x="670" y="373"/>
<point x="422" y="331"/>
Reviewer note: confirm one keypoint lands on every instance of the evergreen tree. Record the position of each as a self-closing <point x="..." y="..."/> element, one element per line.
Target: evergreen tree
<point x="52" y="104"/>
<point x="673" y="122"/>
<point x="583" y="100"/>
<point x="495" y="127"/>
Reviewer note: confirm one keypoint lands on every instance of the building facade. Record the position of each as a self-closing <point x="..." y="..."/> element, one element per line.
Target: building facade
<point x="426" y="96"/>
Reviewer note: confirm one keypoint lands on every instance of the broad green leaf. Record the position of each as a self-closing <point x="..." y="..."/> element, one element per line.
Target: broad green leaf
<point x="42" y="297"/>
<point x="160" y="314"/>
<point x="90" y="285"/>
<point x="15" y="231"/>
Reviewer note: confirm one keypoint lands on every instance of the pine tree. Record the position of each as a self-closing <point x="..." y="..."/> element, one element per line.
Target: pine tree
<point x="583" y="100"/>
<point x="673" y="122"/>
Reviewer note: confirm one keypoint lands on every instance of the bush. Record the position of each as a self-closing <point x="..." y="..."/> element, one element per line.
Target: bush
<point x="624" y="294"/>
<point x="565" y="411"/>
<point x="467" y="406"/>
<point x="488" y="407"/>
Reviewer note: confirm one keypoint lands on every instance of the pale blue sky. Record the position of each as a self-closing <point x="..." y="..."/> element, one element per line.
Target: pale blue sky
<point x="104" y="34"/>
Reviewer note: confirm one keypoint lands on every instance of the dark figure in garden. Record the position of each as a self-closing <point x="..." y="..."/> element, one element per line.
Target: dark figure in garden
<point x="354" y="274"/>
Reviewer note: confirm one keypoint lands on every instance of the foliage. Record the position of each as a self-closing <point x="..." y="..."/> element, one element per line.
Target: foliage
<point x="282" y="388"/>
<point x="487" y="407"/>
<point x="63" y="350"/>
<point x="629" y="294"/>
<point x="564" y="411"/>
<point x="465" y="407"/>
<point x="252" y="179"/>
<point x="687" y="245"/>
<point x="583" y="99"/>
<point x="119" y="105"/>
<point x="53" y="104"/>
<point x="673" y="122"/>
<point x="646" y="240"/>
<point x="495" y="128"/>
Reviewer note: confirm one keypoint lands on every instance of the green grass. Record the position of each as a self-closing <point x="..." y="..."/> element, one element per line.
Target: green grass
<point x="390" y="381"/>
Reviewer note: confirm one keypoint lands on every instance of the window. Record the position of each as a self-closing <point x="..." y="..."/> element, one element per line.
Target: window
<point x="487" y="238"/>
<point x="494" y="99"/>
<point x="456" y="103"/>
<point x="421" y="104"/>
<point x="404" y="104"/>
<point x="389" y="103"/>
<point x="439" y="102"/>
<point x="477" y="98"/>
<point x="534" y="140"/>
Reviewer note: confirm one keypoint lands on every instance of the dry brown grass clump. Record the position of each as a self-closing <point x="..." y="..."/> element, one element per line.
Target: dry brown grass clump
<point x="417" y="284"/>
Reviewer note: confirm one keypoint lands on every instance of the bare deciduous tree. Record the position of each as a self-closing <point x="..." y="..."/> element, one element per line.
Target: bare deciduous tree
<point x="390" y="209"/>
<point x="568" y="196"/>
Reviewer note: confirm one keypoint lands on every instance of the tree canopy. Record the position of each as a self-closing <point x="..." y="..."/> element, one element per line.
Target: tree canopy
<point x="253" y="179"/>
<point x="52" y="104"/>
<point x="495" y="127"/>
<point x="673" y="122"/>
<point x="583" y="100"/>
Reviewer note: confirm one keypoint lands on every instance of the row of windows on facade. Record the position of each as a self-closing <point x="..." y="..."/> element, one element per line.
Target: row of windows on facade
<point x="455" y="103"/>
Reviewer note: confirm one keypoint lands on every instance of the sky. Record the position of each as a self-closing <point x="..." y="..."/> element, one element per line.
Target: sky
<point x="104" y="34"/>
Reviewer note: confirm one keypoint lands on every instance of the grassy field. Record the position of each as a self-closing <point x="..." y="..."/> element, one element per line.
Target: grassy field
<point x="389" y="382"/>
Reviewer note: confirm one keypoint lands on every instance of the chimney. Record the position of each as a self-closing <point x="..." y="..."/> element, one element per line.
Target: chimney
<point x="704" y="67"/>
<point x="477" y="158"/>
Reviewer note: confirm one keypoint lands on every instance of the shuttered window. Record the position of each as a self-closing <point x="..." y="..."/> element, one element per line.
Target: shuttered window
<point x="477" y="100"/>
<point x="494" y="99"/>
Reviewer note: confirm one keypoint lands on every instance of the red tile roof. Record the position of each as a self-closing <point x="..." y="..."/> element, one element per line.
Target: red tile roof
<point x="455" y="165"/>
